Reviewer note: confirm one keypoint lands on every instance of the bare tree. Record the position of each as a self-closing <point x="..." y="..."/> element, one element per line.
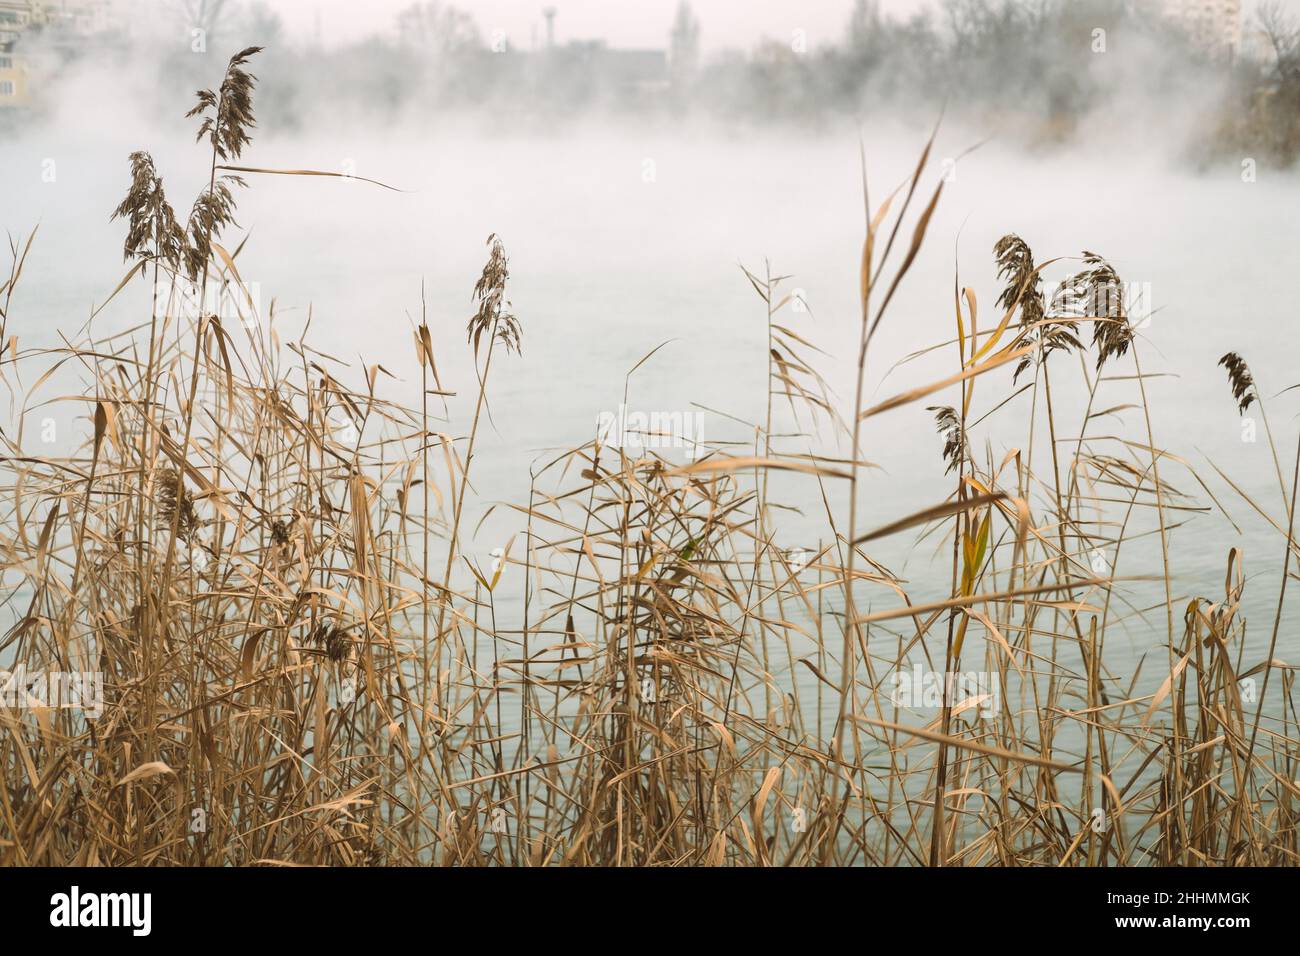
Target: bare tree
<point x="437" y="29"/>
<point x="203" y="15"/>
<point x="1281" y="31"/>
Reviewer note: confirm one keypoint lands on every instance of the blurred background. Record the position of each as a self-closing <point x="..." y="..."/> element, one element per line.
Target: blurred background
<point x="634" y="156"/>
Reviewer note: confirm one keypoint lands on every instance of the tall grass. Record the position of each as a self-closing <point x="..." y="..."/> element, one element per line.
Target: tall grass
<point x="262" y="552"/>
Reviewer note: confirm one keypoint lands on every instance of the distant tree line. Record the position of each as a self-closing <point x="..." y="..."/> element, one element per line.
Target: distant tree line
<point x="1041" y="70"/>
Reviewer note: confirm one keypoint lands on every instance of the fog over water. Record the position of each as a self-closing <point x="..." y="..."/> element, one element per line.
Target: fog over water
<point x="625" y="234"/>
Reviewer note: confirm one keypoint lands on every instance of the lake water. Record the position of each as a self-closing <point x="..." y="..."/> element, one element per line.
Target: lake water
<point x="622" y="237"/>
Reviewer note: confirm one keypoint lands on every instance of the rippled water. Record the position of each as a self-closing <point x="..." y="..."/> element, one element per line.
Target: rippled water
<point x="622" y="238"/>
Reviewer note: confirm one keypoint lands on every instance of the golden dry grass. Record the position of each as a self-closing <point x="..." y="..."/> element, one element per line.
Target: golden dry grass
<point x="261" y="558"/>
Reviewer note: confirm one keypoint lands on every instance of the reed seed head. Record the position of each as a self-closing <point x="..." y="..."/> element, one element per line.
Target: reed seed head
<point x="228" y="113"/>
<point x="333" y="640"/>
<point x="493" y="307"/>
<point x="948" y="424"/>
<point x="152" y="231"/>
<point x="1239" y="377"/>
<point x="1023" y="289"/>
<point x="1097" y="293"/>
<point x="173" y="499"/>
<point x="213" y="210"/>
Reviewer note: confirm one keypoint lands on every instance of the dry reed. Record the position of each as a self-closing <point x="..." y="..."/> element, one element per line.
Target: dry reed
<point x="290" y="678"/>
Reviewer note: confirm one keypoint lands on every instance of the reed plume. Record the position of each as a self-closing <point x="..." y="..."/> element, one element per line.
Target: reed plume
<point x="1239" y="377"/>
<point x="1098" y="294"/>
<point x="671" y="688"/>
<point x="948" y="424"/>
<point x="227" y="117"/>
<point x="492" y="315"/>
<point x="176" y="504"/>
<point x="152" y="231"/>
<point x="1015" y="261"/>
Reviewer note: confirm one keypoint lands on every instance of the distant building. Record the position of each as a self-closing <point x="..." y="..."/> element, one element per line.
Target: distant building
<point x="684" y="46"/>
<point x="13" y="81"/>
<point x="15" y="17"/>
<point x="70" y="17"/>
<point x="79" y="18"/>
<point x="1213" y="25"/>
<point x="583" y="66"/>
<point x="634" y="72"/>
<point x="63" y="29"/>
<point x="15" y="20"/>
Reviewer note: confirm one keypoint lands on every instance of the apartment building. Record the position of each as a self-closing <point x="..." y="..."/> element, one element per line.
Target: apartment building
<point x="1214" y="25"/>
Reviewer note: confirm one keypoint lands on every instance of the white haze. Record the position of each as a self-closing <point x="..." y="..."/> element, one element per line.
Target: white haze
<point x="605" y="266"/>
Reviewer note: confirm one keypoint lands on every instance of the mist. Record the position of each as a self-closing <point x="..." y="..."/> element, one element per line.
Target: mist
<point x="679" y="228"/>
<point x="628" y="212"/>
